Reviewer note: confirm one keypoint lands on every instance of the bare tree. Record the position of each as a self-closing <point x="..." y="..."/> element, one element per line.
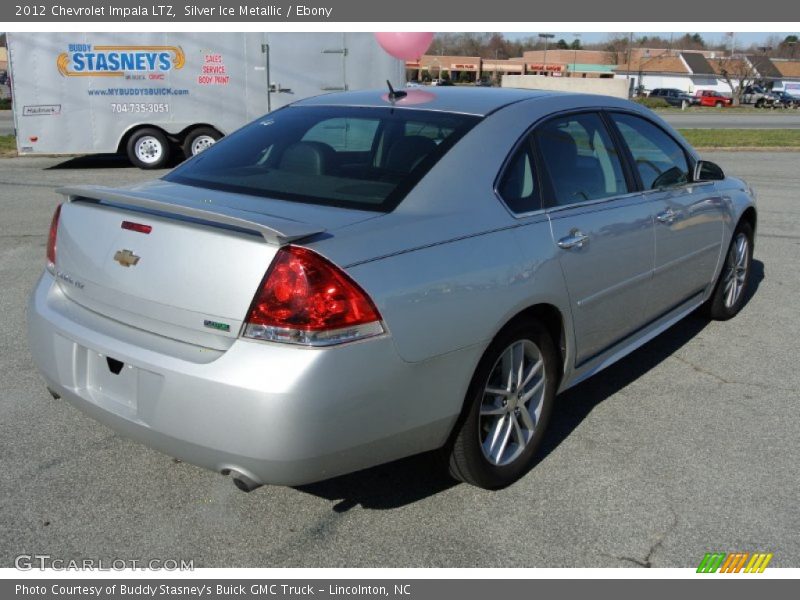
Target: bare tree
<point x="617" y="44"/>
<point x="738" y="73"/>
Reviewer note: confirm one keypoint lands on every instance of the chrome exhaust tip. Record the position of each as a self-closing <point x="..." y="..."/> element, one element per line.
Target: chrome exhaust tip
<point x="243" y="482"/>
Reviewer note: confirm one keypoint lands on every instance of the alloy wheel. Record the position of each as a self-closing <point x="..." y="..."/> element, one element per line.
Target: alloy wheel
<point x="736" y="269"/>
<point x="512" y="403"/>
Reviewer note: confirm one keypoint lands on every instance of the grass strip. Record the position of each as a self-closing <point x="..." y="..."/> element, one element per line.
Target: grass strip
<point x="742" y="138"/>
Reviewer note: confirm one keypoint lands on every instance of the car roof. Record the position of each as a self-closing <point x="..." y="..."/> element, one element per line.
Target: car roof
<point x="465" y="100"/>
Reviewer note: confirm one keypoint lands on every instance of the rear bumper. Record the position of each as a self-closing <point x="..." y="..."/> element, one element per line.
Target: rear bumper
<point x="277" y="413"/>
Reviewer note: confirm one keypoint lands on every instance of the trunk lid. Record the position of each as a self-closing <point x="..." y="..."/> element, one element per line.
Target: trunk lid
<point x="193" y="276"/>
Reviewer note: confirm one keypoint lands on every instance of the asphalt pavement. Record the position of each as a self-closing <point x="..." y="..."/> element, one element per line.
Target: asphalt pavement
<point x="689" y="445"/>
<point x="768" y="119"/>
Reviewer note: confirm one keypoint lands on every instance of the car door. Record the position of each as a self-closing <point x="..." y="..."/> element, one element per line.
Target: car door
<point x="688" y="217"/>
<point x="602" y="228"/>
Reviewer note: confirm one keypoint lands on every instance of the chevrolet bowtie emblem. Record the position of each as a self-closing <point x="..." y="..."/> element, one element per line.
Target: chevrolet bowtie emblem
<point x="126" y="258"/>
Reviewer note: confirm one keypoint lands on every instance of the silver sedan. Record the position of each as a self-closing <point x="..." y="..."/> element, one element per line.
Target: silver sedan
<point x="363" y="276"/>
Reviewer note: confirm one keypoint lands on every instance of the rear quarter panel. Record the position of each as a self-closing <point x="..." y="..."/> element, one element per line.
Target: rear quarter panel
<point x="459" y="294"/>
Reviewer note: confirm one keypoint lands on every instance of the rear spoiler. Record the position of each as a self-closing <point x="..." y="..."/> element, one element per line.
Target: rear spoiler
<point x="275" y="230"/>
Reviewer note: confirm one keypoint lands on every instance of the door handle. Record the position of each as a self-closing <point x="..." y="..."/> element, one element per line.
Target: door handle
<point x="575" y="239"/>
<point x="667" y="216"/>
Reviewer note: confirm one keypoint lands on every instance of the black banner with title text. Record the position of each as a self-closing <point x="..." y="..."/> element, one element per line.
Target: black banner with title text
<point x="465" y="11"/>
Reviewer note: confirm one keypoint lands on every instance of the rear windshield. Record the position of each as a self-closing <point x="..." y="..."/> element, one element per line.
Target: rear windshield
<point x="364" y="158"/>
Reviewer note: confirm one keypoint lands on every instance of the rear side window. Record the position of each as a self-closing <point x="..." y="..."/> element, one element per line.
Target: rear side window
<point x="582" y="162"/>
<point x="660" y="160"/>
<point x="363" y="158"/>
<point x="517" y="186"/>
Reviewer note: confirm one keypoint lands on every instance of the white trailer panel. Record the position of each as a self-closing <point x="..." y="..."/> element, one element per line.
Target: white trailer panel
<point x="86" y="93"/>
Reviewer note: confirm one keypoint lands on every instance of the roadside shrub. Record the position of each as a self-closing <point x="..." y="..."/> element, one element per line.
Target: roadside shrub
<point x="652" y="102"/>
<point x="5" y="103"/>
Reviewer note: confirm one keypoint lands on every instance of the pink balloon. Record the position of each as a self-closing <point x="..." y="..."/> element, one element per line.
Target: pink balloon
<point x="405" y="46"/>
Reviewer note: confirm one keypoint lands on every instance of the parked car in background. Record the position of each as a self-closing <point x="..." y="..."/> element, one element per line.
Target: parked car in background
<point x="787" y="100"/>
<point x="712" y="98"/>
<point x="758" y="96"/>
<point x="353" y="279"/>
<point x="674" y="97"/>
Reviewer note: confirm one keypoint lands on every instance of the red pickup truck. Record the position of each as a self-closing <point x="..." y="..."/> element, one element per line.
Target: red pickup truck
<point x="712" y="98"/>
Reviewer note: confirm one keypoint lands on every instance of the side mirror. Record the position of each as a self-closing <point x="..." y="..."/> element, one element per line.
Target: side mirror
<point x="705" y="170"/>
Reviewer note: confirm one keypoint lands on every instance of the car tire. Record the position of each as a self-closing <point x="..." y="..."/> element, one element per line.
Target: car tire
<point x="199" y="139"/>
<point x="759" y="103"/>
<point x="148" y="148"/>
<point x="718" y="104"/>
<point x="730" y="291"/>
<point x="496" y="439"/>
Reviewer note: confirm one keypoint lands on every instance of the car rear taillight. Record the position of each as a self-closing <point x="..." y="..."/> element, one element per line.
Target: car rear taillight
<point x="306" y="299"/>
<point x="51" y="240"/>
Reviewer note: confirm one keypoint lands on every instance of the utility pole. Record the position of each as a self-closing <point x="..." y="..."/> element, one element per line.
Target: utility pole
<point x="577" y="37"/>
<point x="628" y="69"/>
<point x="546" y="37"/>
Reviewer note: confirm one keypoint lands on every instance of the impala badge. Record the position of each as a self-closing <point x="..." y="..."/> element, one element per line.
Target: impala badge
<point x="126" y="258"/>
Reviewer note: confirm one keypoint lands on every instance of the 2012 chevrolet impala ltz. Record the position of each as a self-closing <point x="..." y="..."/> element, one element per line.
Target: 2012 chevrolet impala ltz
<point x="363" y="276"/>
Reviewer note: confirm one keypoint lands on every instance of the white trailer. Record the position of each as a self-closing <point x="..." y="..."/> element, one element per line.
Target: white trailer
<point x="149" y="94"/>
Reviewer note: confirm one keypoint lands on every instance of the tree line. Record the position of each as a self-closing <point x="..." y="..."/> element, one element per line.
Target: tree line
<point x="496" y="45"/>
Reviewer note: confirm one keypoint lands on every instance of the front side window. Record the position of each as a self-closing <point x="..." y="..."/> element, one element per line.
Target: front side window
<point x="660" y="160"/>
<point x="581" y="160"/>
<point x="363" y="158"/>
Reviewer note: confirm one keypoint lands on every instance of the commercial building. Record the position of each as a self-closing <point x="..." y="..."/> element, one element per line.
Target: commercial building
<point x="686" y="71"/>
<point x="553" y="63"/>
<point x="788" y="76"/>
<point x="570" y="63"/>
<point x="645" y="69"/>
<point x="693" y="71"/>
<point x="434" y="66"/>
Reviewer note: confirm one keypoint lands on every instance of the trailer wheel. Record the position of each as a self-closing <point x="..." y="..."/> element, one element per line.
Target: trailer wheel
<point x="199" y="139"/>
<point x="148" y="148"/>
